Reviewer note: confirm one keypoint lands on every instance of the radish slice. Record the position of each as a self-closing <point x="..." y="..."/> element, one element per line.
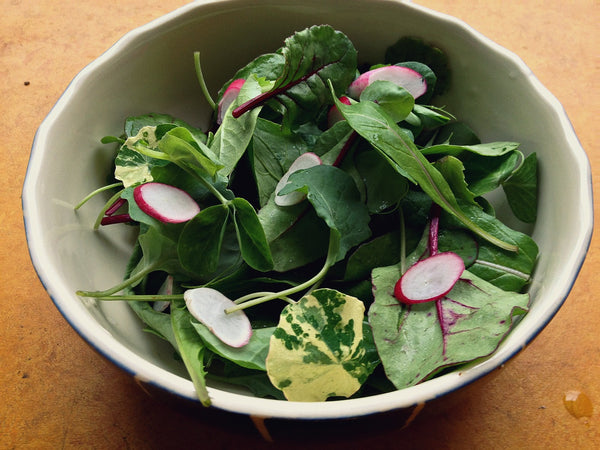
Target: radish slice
<point x="229" y="96"/>
<point x="334" y="115"/>
<point x="304" y="161"/>
<point x="409" y="79"/>
<point x="165" y="289"/>
<point x="208" y="307"/>
<point x="429" y="279"/>
<point x="165" y="203"/>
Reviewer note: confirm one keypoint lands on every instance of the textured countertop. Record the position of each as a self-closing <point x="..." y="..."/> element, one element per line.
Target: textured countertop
<point x="56" y="392"/>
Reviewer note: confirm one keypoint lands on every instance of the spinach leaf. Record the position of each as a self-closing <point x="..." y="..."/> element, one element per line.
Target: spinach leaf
<point x="273" y="150"/>
<point x="286" y="229"/>
<point x="191" y="349"/>
<point x="336" y="200"/>
<point x="233" y="136"/>
<point x="199" y="245"/>
<point x="394" y="99"/>
<point x="521" y="190"/>
<point x="251" y="356"/>
<point x="251" y="236"/>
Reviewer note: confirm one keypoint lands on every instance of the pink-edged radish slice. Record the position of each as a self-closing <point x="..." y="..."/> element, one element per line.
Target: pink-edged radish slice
<point x="229" y="96"/>
<point x="165" y="203"/>
<point x="208" y="307"/>
<point x="165" y="289"/>
<point x="409" y="79"/>
<point x="429" y="279"/>
<point x="334" y="115"/>
<point x="304" y="161"/>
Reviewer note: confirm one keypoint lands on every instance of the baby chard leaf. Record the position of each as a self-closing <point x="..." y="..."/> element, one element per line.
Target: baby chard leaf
<point x="319" y="349"/>
<point x="312" y="56"/>
<point x="416" y="341"/>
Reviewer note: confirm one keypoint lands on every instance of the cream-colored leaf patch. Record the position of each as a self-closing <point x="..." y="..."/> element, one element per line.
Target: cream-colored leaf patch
<point x="318" y="348"/>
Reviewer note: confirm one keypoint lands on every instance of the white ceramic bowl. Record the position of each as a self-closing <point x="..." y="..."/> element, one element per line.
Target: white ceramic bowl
<point x="151" y="70"/>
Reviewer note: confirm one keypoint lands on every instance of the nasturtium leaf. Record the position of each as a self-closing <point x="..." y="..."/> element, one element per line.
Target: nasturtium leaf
<point x="416" y="341"/>
<point x="521" y="190"/>
<point x="318" y="350"/>
<point x="133" y="167"/>
<point x="336" y="200"/>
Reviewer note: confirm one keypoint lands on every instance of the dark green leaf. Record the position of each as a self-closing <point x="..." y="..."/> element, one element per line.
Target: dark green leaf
<point x="251" y="236"/>
<point x="521" y="190"/>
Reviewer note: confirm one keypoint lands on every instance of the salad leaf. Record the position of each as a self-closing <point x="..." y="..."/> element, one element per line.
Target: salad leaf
<point x="521" y="190"/>
<point x="313" y="55"/>
<point x="318" y="350"/>
<point x="416" y="341"/>
<point x="191" y="349"/>
<point x="375" y="126"/>
<point x="251" y="236"/>
<point x="336" y="200"/>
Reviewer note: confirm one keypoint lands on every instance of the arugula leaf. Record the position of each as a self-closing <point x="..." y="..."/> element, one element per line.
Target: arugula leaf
<point x="375" y="126"/>
<point x="318" y="350"/>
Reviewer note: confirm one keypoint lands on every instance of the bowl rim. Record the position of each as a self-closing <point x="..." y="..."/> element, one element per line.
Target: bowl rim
<point x="130" y="362"/>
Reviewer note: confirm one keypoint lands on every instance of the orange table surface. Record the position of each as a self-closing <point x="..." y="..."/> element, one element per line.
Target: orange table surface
<point x="57" y="392"/>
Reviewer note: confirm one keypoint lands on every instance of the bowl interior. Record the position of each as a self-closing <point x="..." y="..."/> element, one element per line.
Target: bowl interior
<point x="151" y="70"/>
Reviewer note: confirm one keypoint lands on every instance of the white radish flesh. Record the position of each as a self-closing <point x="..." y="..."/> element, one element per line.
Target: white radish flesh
<point x="208" y="307"/>
<point x="304" y="161"/>
<point x="334" y="115"/>
<point x="429" y="279"/>
<point x="229" y="96"/>
<point x="165" y="203"/>
<point x="409" y="79"/>
<point x="165" y="289"/>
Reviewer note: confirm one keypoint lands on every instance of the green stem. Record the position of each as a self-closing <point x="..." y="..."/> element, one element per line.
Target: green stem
<point x="96" y="192"/>
<point x="126" y="283"/>
<point x="332" y="253"/>
<point x="141" y="298"/>
<point x="107" y="205"/>
<point x="202" y="82"/>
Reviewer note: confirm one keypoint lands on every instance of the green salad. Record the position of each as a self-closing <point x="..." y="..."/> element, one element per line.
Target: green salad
<point x="328" y="234"/>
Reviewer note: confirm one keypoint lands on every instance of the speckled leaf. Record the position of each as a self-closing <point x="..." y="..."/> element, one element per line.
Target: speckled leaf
<point x="319" y="349"/>
<point x="416" y="341"/>
<point x="132" y="167"/>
